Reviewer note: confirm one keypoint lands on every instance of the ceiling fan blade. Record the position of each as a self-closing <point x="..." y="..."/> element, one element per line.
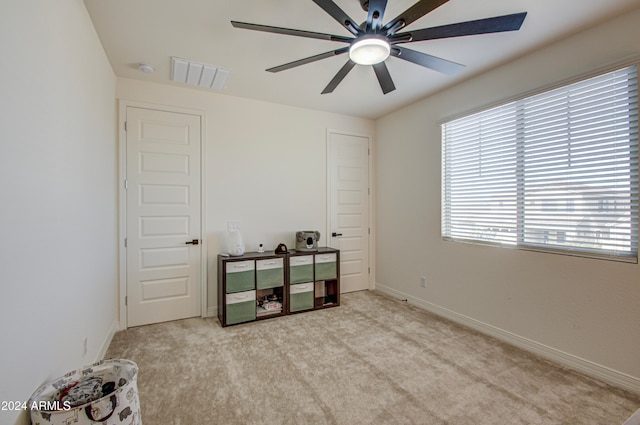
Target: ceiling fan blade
<point x="338" y="14"/>
<point x="428" y="61"/>
<point x="339" y="77"/>
<point x="384" y="78"/>
<point x="289" y="31"/>
<point x="412" y="14"/>
<point x="376" y="13"/>
<point x="480" y="26"/>
<point x="308" y="60"/>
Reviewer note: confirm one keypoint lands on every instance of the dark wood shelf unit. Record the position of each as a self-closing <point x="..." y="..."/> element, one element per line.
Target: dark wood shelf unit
<point x="298" y="281"/>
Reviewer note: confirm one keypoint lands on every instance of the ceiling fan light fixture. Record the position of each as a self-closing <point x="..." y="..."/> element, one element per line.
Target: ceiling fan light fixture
<point x="369" y="50"/>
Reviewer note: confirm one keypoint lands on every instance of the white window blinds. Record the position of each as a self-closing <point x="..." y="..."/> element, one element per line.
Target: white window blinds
<point x="556" y="171"/>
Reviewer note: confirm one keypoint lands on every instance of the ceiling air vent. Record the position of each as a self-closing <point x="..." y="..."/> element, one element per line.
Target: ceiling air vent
<point x="198" y="74"/>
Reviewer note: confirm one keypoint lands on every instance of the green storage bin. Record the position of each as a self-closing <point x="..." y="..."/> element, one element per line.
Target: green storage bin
<point x="299" y="274"/>
<point x="241" y="307"/>
<point x="301" y="269"/>
<point x="301" y="297"/>
<point x="326" y="266"/>
<point x="271" y="278"/>
<point x="241" y="312"/>
<point x="270" y="273"/>
<point x="326" y="271"/>
<point x="241" y="276"/>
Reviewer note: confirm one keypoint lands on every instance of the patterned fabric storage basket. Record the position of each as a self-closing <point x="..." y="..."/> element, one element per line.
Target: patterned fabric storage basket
<point x="104" y="393"/>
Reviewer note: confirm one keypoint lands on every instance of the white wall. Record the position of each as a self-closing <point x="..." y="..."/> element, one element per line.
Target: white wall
<point x="58" y="199"/>
<point x="265" y="165"/>
<point x="583" y="312"/>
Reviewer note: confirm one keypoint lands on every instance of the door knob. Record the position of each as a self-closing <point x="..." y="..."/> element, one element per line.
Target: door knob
<point x="334" y="234"/>
<point x="193" y="242"/>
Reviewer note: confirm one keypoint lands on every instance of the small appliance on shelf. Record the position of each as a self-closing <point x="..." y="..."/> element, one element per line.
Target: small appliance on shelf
<point x="235" y="242"/>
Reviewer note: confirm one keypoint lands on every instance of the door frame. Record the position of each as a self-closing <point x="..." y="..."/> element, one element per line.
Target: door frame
<point x="122" y="198"/>
<point x="371" y="197"/>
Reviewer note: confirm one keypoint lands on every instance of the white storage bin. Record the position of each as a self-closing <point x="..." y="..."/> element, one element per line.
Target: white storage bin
<point x="271" y="263"/>
<point x="301" y="260"/>
<point x="105" y="392"/>
<point x="326" y="258"/>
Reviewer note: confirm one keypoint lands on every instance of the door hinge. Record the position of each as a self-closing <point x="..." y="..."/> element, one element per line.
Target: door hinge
<point x="125" y="242"/>
<point x="126" y="300"/>
<point x="369" y="230"/>
<point x="369" y="270"/>
<point x="125" y="126"/>
<point x="126" y="184"/>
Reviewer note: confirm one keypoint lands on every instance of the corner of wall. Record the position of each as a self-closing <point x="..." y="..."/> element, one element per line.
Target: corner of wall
<point x="115" y="326"/>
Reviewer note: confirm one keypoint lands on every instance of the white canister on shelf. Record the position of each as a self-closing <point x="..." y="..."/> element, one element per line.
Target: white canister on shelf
<point x="235" y="243"/>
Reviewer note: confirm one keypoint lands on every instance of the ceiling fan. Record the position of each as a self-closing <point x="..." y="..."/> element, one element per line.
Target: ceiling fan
<point x="372" y="42"/>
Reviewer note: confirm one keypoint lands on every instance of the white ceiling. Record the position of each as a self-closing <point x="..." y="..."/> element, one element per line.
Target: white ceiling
<point x="152" y="31"/>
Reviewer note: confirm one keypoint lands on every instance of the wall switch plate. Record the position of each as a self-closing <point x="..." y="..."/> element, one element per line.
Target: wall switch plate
<point x="423" y="281"/>
<point x="233" y="225"/>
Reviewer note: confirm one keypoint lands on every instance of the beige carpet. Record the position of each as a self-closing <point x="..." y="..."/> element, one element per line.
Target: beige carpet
<point x="373" y="360"/>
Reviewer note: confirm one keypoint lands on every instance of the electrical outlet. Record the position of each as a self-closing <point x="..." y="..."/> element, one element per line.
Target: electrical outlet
<point x="423" y="281"/>
<point x="84" y="346"/>
<point x="233" y="225"/>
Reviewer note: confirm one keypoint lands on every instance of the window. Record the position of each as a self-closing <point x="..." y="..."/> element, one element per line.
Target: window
<point x="557" y="171"/>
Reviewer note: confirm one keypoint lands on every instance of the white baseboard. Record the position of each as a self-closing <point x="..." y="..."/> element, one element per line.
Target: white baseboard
<point x="212" y="312"/>
<point x="115" y="326"/>
<point x="634" y="419"/>
<point x="603" y="373"/>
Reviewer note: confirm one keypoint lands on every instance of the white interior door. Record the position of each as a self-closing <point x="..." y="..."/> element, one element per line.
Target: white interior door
<point x="348" y="174"/>
<point x="163" y="216"/>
